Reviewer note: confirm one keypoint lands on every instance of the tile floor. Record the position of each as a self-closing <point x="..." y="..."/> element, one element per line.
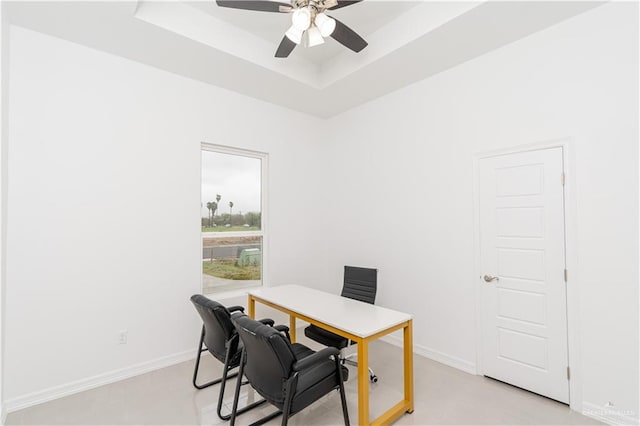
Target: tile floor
<point x="444" y="396"/>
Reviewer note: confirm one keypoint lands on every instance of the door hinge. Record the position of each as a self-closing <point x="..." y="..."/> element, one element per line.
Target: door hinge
<point x="565" y="275"/>
<point x="568" y="373"/>
<point x="562" y="179"/>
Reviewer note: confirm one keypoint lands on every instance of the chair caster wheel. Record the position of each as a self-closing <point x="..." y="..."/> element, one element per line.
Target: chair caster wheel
<point x="373" y="379"/>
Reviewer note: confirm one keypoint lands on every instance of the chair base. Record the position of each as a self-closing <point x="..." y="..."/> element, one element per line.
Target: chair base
<point x="266" y="418"/>
<point x="211" y="383"/>
<point x="372" y="376"/>
<point x="222" y="380"/>
<point x="278" y="413"/>
<point x="328" y="338"/>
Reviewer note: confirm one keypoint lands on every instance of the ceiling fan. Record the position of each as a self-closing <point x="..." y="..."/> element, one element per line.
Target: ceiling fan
<point x="308" y="18"/>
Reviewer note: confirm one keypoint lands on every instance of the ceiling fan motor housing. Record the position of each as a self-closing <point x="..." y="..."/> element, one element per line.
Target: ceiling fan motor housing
<point x="316" y="6"/>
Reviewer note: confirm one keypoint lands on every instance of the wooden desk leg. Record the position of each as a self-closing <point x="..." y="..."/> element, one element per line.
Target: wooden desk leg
<point x="363" y="382"/>
<point x="408" y="365"/>
<point x="292" y="328"/>
<point x="252" y="307"/>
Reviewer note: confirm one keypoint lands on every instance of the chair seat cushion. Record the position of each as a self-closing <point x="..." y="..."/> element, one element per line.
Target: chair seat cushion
<point x="300" y="351"/>
<point x="325" y="337"/>
<point x="313" y="382"/>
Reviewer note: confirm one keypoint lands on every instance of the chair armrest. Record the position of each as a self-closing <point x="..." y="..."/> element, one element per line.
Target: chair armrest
<point x="235" y="308"/>
<point x="267" y="321"/>
<point x="312" y="359"/>
<point x="283" y="329"/>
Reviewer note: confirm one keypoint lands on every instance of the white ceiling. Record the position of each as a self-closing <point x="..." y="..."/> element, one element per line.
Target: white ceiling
<point x="233" y="49"/>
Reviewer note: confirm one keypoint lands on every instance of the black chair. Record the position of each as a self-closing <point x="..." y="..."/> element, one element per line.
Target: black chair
<point x="220" y="338"/>
<point x="359" y="284"/>
<point x="289" y="376"/>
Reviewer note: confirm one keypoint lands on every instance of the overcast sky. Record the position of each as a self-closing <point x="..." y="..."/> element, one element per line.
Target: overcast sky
<point x="235" y="178"/>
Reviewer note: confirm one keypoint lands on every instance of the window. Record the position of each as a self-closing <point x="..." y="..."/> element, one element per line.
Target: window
<point x="232" y="218"/>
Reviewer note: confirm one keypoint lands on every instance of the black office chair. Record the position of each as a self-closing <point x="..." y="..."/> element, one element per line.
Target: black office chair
<point x="220" y="338"/>
<point x="359" y="284"/>
<point x="289" y="376"/>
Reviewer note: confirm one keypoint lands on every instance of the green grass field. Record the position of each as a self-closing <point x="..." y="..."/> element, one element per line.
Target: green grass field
<point x="230" y="229"/>
<point x="227" y="268"/>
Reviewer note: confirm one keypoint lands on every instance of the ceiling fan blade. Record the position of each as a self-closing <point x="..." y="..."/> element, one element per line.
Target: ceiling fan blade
<point x="344" y="3"/>
<point x="349" y="38"/>
<point x="258" y="5"/>
<point x="285" y="48"/>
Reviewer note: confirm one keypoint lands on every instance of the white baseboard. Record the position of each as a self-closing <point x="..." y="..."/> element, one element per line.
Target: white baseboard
<point x="609" y="415"/>
<point x="451" y="361"/>
<point x="3" y="414"/>
<point x="60" y="391"/>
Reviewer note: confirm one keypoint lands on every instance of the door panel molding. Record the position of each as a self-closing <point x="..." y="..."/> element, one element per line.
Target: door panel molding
<point x="571" y="261"/>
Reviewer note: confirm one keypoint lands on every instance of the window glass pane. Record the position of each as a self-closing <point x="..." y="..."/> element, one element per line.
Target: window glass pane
<point x="231" y="221"/>
<point x="230" y="263"/>
<point x="230" y="192"/>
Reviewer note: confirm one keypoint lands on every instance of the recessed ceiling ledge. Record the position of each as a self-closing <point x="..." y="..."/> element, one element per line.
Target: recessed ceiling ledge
<point x="411" y="25"/>
<point x="189" y="22"/>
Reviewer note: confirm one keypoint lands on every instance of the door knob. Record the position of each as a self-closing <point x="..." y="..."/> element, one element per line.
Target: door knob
<point x="489" y="278"/>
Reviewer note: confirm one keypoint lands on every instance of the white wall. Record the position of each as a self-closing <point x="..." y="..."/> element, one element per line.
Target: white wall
<point x="104" y="210"/>
<point x="105" y="151"/>
<point x="4" y="87"/>
<point x="403" y="187"/>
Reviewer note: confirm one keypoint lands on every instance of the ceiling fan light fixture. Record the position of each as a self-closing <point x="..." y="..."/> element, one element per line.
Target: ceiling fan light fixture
<point x="294" y="34"/>
<point x="314" y="37"/>
<point x="325" y="24"/>
<point x="301" y="18"/>
<point x="309" y="22"/>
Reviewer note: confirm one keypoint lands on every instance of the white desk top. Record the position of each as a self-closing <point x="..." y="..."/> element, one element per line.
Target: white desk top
<point x="358" y="318"/>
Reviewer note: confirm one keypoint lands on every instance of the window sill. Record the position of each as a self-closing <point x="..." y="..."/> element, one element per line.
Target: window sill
<point x="231" y="294"/>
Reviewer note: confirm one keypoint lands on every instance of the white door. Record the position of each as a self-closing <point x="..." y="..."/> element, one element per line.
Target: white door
<point x="522" y="259"/>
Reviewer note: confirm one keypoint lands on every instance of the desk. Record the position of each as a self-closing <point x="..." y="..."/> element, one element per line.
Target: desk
<point x="355" y="320"/>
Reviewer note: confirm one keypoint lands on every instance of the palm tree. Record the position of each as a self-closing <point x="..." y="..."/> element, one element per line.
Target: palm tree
<point x="210" y="208"/>
<point x="214" y="208"/>
<point x="230" y="212"/>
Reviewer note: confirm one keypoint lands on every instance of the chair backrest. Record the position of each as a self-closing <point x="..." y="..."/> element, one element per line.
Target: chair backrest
<point x="360" y="284"/>
<point x="218" y="328"/>
<point x="269" y="357"/>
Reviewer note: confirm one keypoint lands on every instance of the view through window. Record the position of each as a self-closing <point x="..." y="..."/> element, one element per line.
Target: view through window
<point x="231" y="219"/>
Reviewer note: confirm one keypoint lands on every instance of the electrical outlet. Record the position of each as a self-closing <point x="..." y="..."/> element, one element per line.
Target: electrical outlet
<point x="122" y="337"/>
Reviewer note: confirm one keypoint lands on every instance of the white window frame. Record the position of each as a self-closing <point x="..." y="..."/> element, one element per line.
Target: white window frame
<point x="264" y="163"/>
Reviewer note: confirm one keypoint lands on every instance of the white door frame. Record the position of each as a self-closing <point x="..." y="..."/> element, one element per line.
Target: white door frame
<point x="573" y="313"/>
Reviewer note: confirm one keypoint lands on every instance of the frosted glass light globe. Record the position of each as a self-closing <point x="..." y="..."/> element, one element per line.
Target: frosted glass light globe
<point x="301" y="18"/>
<point x="294" y="34"/>
<point x="314" y="37"/>
<point x="325" y="24"/>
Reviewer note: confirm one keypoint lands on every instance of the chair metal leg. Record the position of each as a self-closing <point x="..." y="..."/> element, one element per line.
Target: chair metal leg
<point x="197" y="367"/>
<point x="286" y="409"/>
<point x="222" y="380"/>
<point x="291" y="390"/>
<point x="235" y="411"/>
<point x="238" y="411"/>
<point x="343" y="398"/>
<point x="223" y="385"/>
<point x="226" y="369"/>
<point x="266" y="418"/>
<point x="236" y="395"/>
